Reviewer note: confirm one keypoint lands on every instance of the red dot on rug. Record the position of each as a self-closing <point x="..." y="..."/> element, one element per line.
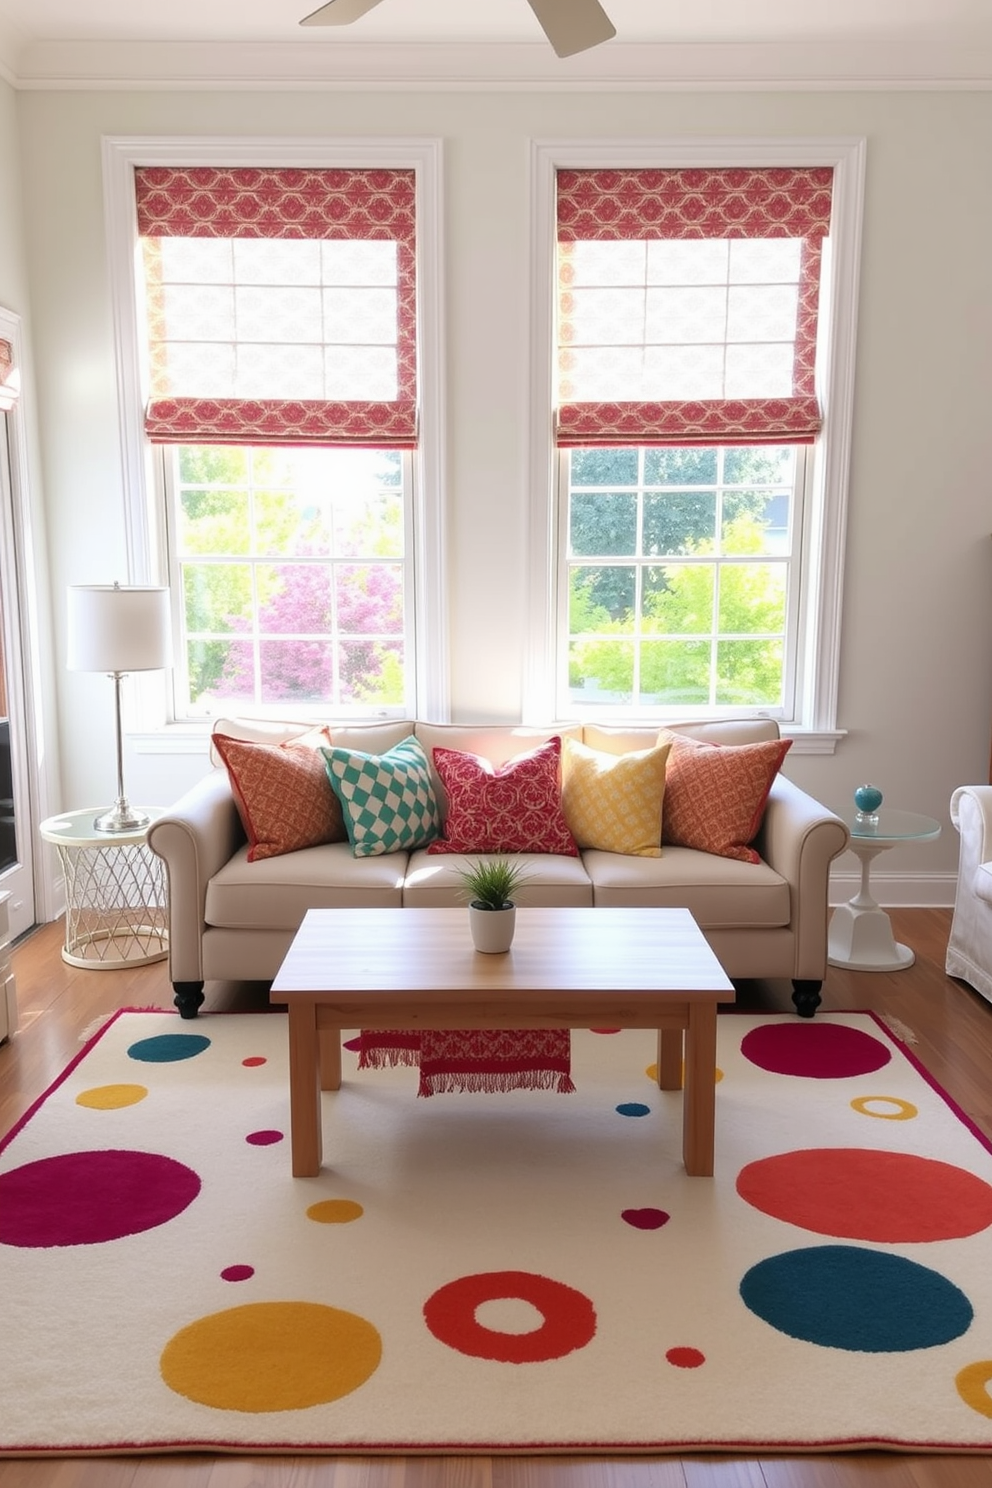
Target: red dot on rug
<point x="263" y="1138"/>
<point x="816" y="1051"/>
<point x="685" y="1358"/>
<point x="862" y="1194"/>
<point x="604" y="1030"/>
<point x="254" y="1061"/>
<point x="569" y="1317"/>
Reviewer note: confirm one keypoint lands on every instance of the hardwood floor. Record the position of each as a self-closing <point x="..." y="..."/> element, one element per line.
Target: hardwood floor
<point x="948" y="1025"/>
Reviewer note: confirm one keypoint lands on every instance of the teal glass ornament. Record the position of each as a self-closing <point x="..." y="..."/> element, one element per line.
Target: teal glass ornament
<point x="868" y="798"/>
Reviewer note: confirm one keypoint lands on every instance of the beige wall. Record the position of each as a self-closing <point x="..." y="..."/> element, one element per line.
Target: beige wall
<point x="916" y="669"/>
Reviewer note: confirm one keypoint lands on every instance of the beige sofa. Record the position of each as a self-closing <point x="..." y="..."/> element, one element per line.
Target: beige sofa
<point x="232" y="919"/>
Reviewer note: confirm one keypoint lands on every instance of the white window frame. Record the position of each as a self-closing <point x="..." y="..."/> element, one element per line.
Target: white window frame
<point x="144" y="494"/>
<point x="813" y="727"/>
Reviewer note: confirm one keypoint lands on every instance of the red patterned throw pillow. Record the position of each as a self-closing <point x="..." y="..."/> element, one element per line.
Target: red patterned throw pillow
<point x="283" y="794"/>
<point x="516" y="808"/>
<point x="715" y="794"/>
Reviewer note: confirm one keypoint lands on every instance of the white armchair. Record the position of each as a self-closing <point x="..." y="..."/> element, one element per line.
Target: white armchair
<point x="969" y="949"/>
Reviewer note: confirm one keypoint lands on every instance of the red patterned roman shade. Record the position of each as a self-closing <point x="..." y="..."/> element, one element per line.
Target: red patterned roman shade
<point x="280" y="305"/>
<point x="687" y="305"/>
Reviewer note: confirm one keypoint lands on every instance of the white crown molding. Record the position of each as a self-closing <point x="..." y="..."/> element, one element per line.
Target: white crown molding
<point x="347" y="66"/>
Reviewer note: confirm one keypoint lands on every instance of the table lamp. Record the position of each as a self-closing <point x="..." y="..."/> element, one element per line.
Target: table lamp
<point x="119" y="628"/>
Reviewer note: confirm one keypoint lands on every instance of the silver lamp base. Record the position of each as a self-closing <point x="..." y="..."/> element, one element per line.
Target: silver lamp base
<point x="121" y="818"/>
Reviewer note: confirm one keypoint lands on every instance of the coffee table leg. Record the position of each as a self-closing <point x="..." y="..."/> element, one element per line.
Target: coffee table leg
<point x="329" y="1042"/>
<point x="669" y="1058"/>
<point x="699" y="1096"/>
<point x="304" y="1090"/>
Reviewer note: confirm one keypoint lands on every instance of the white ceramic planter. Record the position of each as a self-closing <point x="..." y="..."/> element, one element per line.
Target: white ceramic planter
<point x="492" y="929"/>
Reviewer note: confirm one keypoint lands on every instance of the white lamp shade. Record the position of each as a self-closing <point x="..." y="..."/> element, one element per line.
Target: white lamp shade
<point x="119" y="628"/>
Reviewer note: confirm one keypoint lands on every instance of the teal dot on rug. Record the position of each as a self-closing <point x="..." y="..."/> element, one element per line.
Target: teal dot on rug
<point x="865" y="1301"/>
<point x="168" y="1048"/>
<point x="633" y="1108"/>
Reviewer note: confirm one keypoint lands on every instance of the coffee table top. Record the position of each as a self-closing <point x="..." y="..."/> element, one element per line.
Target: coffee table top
<point x="430" y="950"/>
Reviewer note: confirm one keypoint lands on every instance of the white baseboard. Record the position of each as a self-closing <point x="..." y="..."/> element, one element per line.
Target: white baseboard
<point x="898" y="890"/>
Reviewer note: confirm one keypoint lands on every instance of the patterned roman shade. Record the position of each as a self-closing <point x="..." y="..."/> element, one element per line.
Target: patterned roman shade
<point x="688" y="303"/>
<point x="280" y="305"/>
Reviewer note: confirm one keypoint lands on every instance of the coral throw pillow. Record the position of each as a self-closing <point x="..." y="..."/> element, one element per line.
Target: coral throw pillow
<point x="282" y="793"/>
<point x="516" y="808"/>
<point x="387" y="799"/>
<point x="715" y="794"/>
<point x="614" y="801"/>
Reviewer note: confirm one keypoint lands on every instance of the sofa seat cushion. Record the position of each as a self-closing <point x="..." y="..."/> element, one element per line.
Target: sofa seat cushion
<point x="720" y="893"/>
<point x="274" y="894"/>
<point x="432" y="880"/>
<point x="983" y="882"/>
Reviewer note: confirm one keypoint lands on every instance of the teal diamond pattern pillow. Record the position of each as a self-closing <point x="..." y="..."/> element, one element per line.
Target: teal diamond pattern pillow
<point x="387" y="800"/>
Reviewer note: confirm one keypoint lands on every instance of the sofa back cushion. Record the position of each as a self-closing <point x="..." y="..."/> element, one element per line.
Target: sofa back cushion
<point x="717" y="731"/>
<point x="374" y="738"/>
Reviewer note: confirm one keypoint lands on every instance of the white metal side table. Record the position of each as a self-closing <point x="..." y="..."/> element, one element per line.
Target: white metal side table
<point x="116" y="911"/>
<point x="860" y="934"/>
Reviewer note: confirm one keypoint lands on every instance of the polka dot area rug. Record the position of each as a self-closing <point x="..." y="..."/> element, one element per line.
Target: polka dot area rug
<point x="528" y="1271"/>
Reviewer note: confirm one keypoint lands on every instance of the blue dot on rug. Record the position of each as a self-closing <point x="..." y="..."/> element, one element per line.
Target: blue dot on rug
<point x="633" y="1108"/>
<point x="866" y="1301"/>
<point x="168" y="1048"/>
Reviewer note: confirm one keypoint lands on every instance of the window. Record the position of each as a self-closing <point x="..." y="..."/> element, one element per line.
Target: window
<point x="283" y="309"/>
<point x="677" y="576"/>
<point x="700" y="319"/>
<point x="291" y="563"/>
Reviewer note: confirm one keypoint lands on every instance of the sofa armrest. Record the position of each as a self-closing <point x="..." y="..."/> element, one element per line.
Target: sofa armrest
<point x="971" y="814"/>
<point x="195" y="838"/>
<point x="800" y="838"/>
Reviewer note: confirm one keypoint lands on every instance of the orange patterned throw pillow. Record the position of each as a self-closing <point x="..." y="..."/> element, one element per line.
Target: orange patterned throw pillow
<point x="283" y="794"/>
<point x="516" y="808"/>
<point x="715" y="794"/>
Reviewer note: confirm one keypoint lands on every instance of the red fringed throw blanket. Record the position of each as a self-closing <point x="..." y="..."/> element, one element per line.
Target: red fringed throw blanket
<point x="482" y="1059"/>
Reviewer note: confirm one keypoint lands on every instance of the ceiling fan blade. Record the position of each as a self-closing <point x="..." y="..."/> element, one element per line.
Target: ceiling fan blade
<point x="339" y="13"/>
<point x="573" y="25"/>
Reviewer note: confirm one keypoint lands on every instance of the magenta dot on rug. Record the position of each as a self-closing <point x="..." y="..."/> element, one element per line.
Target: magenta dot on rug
<point x="237" y="1273"/>
<point x="815" y="1051"/>
<point x="263" y="1138"/>
<point x="86" y="1198"/>
<point x="645" y="1219"/>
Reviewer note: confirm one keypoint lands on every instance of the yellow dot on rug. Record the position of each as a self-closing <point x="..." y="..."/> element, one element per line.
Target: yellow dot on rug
<point x="972" y="1382"/>
<point x="335" y="1211"/>
<point x="885" y="1107"/>
<point x="652" y="1073"/>
<point x="271" y="1356"/>
<point x="111" y="1097"/>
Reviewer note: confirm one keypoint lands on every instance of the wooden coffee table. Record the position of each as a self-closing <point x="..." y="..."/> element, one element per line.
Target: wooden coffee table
<point x="567" y="968"/>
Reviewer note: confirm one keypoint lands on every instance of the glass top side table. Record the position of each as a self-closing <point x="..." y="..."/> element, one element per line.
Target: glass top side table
<point x="116" y="911"/>
<point x="860" y="935"/>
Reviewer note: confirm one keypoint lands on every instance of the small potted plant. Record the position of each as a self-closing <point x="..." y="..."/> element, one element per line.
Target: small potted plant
<point x="489" y="885"/>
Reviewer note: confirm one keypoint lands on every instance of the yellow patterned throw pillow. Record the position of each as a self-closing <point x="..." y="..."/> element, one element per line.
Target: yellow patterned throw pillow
<point x="614" y="801"/>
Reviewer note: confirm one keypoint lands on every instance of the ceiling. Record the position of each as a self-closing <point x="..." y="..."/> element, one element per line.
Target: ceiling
<point x="426" y="43"/>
